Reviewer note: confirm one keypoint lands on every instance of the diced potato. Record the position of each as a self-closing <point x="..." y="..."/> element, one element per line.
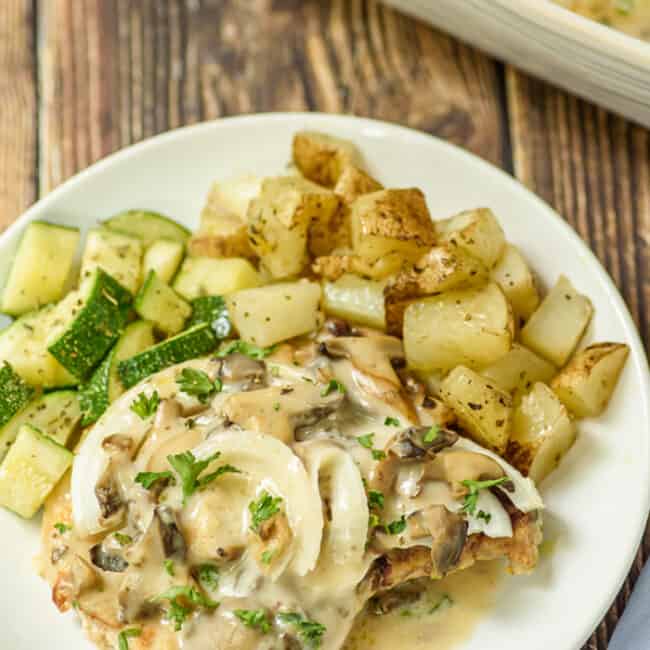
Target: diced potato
<point x="476" y="231"/>
<point x="391" y="222"/>
<point x="557" y="325"/>
<point x="332" y="267"/>
<point x="542" y="432"/>
<point x="443" y="268"/>
<point x="472" y="327"/>
<point x="354" y="182"/>
<point x="276" y="312"/>
<point x="290" y="217"/>
<point x="321" y="158"/>
<point x="355" y="299"/>
<point x="518" y="370"/>
<point x="230" y="197"/>
<point x="222" y="236"/>
<point x="587" y="382"/>
<point x="514" y="276"/>
<point x="206" y="276"/>
<point x="483" y="410"/>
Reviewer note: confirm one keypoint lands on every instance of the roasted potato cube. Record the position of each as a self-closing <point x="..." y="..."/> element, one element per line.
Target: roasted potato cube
<point x="514" y="276"/>
<point x="276" y="312"/>
<point x="542" y="432"/>
<point x="322" y="158"/>
<point x="518" y="370"/>
<point x="483" y="410"/>
<point x="207" y="276"/>
<point x="476" y="231"/>
<point x="279" y="222"/>
<point x="557" y="325"/>
<point x="472" y="327"/>
<point x="587" y="382"/>
<point x="389" y="222"/>
<point x="443" y="268"/>
<point x="332" y="267"/>
<point x="224" y="235"/>
<point x="231" y="197"/>
<point x="354" y="182"/>
<point x="355" y="299"/>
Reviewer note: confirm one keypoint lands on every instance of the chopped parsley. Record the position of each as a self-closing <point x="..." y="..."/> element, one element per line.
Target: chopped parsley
<point x="445" y="601"/>
<point x="396" y="527"/>
<point x="431" y="434"/>
<point x="267" y="556"/>
<point x="311" y="632"/>
<point x="148" y="479"/>
<point x="375" y="500"/>
<point x="124" y="636"/>
<point x="276" y="406"/>
<point x="208" y="576"/>
<point x="169" y="567"/>
<point x="474" y="487"/>
<point x="189" y="468"/>
<point x="122" y="539"/>
<point x="62" y="528"/>
<point x="374" y="521"/>
<point x="332" y="386"/>
<point x="254" y="618"/>
<point x="378" y="454"/>
<point x="391" y="422"/>
<point x="250" y="350"/>
<point x="182" y="600"/>
<point x="624" y="7"/>
<point x="198" y="384"/>
<point x="262" y="509"/>
<point x="144" y="407"/>
<point x="368" y="442"/>
<point x="486" y="516"/>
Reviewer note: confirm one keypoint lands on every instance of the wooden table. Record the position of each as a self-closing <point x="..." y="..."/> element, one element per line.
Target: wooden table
<point x="82" y="78"/>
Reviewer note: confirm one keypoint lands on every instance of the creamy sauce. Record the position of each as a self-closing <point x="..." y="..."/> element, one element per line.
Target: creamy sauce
<point x="460" y="602"/>
<point x="319" y="551"/>
<point x="629" y="16"/>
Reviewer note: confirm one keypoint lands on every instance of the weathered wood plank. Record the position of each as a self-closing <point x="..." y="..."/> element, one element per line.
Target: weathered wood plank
<point x="593" y="168"/>
<point x="18" y="116"/>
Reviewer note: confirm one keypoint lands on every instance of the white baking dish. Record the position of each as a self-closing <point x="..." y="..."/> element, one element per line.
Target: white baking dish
<point x="546" y="40"/>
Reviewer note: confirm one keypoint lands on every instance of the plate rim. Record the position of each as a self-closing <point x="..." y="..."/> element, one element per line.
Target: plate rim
<point x="385" y="129"/>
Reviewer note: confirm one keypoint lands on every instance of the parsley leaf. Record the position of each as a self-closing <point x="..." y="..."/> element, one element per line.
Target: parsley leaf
<point x="368" y="441"/>
<point x="147" y="479"/>
<point x="375" y="499"/>
<point x="181" y="601"/>
<point x="267" y="556"/>
<point x="124" y="636"/>
<point x="250" y="350"/>
<point x="188" y="469"/>
<point x="169" y="567"/>
<point x="144" y="407"/>
<point x="431" y="434"/>
<point x="122" y="539"/>
<point x="378" y="454"/>
<point x="208" y="576"/>
<point x="311" y="632"/>
<point x="374" y="521"/>
<point x="262" y="509"/>
<point x="254" y="618"/>
<point x="474" y="487"/>
<point x="198" y="384"/>
<point x="486" y="516"/>
<point x="62" y="528"/>
<point x="391" y="422"/>
<point x="396" y="527"/>
<point x="332" y="385"/>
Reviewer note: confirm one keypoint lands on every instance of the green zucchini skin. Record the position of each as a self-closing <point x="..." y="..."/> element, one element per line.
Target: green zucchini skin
<point x="94" y="328"/>
<point x="148" y="226"/>
<point x="15" y="394"/>
<point x="93" y="396"/>
<point x="190" y="344"/>
<point x="214" y="311"/>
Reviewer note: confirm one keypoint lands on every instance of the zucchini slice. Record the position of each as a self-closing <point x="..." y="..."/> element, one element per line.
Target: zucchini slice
<point x="31" y="469"/>
<point x="24" y="345"/>
<point x="41" y="267"/>
<point x="192" y="343"/>
<point x="159" y="303"/>
<point x="147" y="226"/>
<point x="15" y="394"/>
<point x="209" y="276"/>
<point x="214" y="311"/>
<point x="105" y="386"/>
<point x="164" y="257"/>
<point x="117" y="254"/>
<point x="56" y="414"/>
<point x="90" y="322"/>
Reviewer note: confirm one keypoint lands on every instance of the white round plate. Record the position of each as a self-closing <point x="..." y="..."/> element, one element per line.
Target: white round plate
<point x="597" y="501"/>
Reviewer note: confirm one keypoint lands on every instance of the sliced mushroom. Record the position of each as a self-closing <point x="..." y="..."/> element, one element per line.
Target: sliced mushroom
<point x="396" y="567"/>
<point x="448" y="532"/>
<point x="107" y="560"/>
<point x="170" y="534"/>
<point x="239" y="368"/>
<point x="457" y="465"/>
<point x="111" y="505"/>
<point x="117" y="443"/>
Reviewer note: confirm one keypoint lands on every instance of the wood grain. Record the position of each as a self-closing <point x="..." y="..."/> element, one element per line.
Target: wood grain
<point x="18" y="120"/>
<point x="593" y="168"/>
